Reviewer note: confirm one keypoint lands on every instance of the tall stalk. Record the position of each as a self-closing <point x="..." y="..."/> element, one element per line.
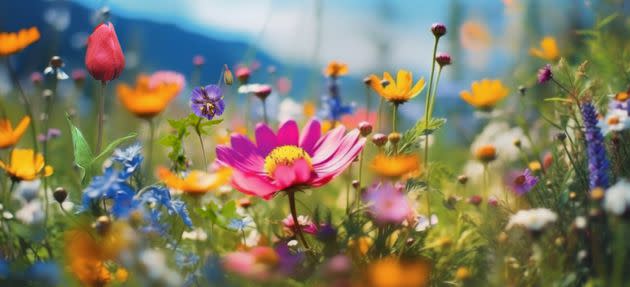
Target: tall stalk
<point x="101" y="118"/>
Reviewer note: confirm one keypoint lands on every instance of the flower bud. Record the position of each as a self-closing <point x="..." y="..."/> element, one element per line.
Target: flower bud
<point x="198" y="60"/>
<point x="102" y="224"/>
<point x="384" y="83"/>
<point x="379" y="139"/>
<point x="60" y="194"/>
<point x="462" y="179"/>
<point x="438" y="29"/>
<point x="104" y="58"/>
<point x="244" y="202"/>
<point x="443" y="59"/>
<point x="242" y="74"/>
<point x="522" y="89"/>
<point x="561" y="137"/>
<point x="355" y="184"/>
<point x="545" y="74"/>
<point x="475" y="200"/>
<point x="365" y="128"/>
<point x="493" y="201"/>
<point x="486" y="153"/>
<point x="228" y="78"/>
<point x="394" y="137"/>
<point x="367" y="81"/>
<point x="56" y="62"/>
<point x="597" y="194"/>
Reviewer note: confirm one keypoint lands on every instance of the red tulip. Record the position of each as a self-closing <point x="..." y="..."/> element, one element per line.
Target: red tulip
<point x="104" y="58"/>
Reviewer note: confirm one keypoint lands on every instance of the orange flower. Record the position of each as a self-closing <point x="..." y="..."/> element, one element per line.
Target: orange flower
<point x="486" y="153"/>
<point x="393" y="272"/>
<point x="309" y="109"/>
<point x="145" y="101"/>
<point x="10" y="136"/>
<point x="197" y="181"/>
<point x="336" y="69"/>
<point x="548" y="49"/>
<point x="25" y="165"/>
<point x="400" y="90"/>
<point x="485" y="94"/>
<point x="11" y="43"/>
<point x="474" y="36"/>
<point x="407" y="165"/>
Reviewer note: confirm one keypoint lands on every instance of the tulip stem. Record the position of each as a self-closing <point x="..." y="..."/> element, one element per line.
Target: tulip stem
<point x="296" y="223"/>
<point x="27" y="105"/>
<point x="101" y="115"/>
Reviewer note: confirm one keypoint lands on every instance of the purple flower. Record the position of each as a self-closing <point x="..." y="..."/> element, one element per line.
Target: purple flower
<point x="544" y="74"/>
<point x="522" y="183"/>
<point x="596" y="148"/>
<point x="438" y="29"/>
<point x="387" y="203"/>
<point x="443" y="59"/>
<point x="207" y="101"/>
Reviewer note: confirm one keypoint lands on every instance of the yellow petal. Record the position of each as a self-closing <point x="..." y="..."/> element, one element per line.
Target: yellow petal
<point x="21" y="128"/>
<point x="417" y="88"/>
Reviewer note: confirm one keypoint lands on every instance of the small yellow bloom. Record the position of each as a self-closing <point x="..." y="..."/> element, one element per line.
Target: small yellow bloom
<point x="535" y="166"/>
<point x="548" y="49"/>
<point x="11" y="43"/>
<point x="146" y="102"/>
<point x="398" y="91"/>
<point x="396" y="166"/>
<point x="122" y="274"/>
<point x="392" y="272"/>
<point x="360" y="246"/>
<point x="462" y="274"/>
<point x="485" y="94"/>
<point x="309" y="109"/>
<point x="336" y="69"/>
<point x="486" y="153"/>
<point x="197" y="181"/>
<point x="25" y="165"/>
<point x="8" y="135"/>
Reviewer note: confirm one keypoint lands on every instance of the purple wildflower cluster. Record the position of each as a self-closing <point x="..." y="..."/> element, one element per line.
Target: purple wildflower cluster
<point x="596" y="148"/>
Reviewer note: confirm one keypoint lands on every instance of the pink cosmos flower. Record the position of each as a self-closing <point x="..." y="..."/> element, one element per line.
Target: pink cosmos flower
<point x="388" y="204"/>
<point x="305" y="223"/>
<point x="256" y="263"/>
<point x="287" y="161"/>
<point x="168" y="78"/>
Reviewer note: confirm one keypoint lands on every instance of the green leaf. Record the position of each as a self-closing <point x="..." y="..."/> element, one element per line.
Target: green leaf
<point x="422" y="128"/>
<point x="558" y="100"/>
<point x="606" y="21"/>
<point x="112" y="146"/>
<point x="229" y="210"/>
<point x="83" y="157"/>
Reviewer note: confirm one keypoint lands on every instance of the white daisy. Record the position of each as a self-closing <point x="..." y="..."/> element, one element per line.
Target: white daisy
<point x="532" y="219"/>
<point x="617" y="200"/>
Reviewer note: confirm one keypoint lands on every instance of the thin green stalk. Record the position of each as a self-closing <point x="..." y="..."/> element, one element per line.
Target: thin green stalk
<point x="394" y="116"/>
<point x="380" y="114"/>
<point x="264" y="108"/>
<point x="358" y="199"/>
<point x="150" y="146"/>
<point x="427" y="112"/>
<point x="368" y="102"/>
<point x="27" y="104"/>
<point x="203" y="148"/>
<point x="101" y="118"/>
<point x="48" y="113"/>
<point x="298" y="228"/>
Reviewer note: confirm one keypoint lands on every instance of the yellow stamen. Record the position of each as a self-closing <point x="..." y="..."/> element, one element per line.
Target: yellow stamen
<point x="285" y="155"/>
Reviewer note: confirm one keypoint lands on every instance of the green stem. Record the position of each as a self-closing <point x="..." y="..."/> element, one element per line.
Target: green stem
<point x="101" y="118"/>
<point x="150" y="146"/>
<point x="48" y="119"/>
<point x="358" y="199"/>
<point x="203" y="148"/>
<point x="298" y="228"/>
<point x="380" y="114"/>
<point x="394" y="116"/>
<point x="27" y="105"/>
<point x="264" y="108"/>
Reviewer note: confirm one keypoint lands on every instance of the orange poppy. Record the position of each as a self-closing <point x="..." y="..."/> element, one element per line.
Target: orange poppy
<point x="197" y="181"/>
<point x="8" y="135"/>
<point x="145" y="101"/>
<point x="11" y="43"/>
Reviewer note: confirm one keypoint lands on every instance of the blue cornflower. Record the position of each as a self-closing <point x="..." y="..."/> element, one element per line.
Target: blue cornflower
<point x="185" y="260"/>
<point x="332" y="106"/>
<point x="161" y="196"/>
<point x="240" y="223"/>
<point x="110" y="185"/>
<point x="130" y="158"/>
<point x="596" y="148"/>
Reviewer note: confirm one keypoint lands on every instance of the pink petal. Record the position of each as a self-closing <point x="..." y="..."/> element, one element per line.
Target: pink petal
<point x="311" y="133"/>
<point x="288" y="133"/>
<point x="330" y="169"/>
<point x="265" y="139"/>
<point x="253" y="185"/>
<point x="249" y="163"/>
<point x="328" y="144"/>
<point x="284" y="176"/>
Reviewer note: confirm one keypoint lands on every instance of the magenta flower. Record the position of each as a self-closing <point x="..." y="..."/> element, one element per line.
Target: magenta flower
<point x="388" y="204"/>
<point x="287" y="161"/>
<point x="305" y="223"/>
<point x="522" y="183"/>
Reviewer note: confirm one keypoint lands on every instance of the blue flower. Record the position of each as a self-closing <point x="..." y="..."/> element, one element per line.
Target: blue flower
<point x="332" y="106"/>
<point x="596" y="148"/>
<point x="207" y="102"/>
<point x="110" y="185"/>
<point x="44" y="273"/>
<point x="240" y="224"/>
<point x="130" y="158"/>
<point x="186" y="260"/>
<point x="161" y="196"/>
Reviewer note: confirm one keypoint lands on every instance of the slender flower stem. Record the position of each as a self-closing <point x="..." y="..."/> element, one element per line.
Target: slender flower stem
<point x="101" y="118"/>
<point x="150" y="145"/>
<point x="264" y="108"/>
<point x="427" y="118"/>
<point x="358" y="199"/>
<point x="48" y="114"/>
<point x="394" y="115"/>
<point x="432" y="101"/>
<point x="298" y="228"/>
<point x="380" y="114"/>
<point x="27" y="105"/>
<point x="368" y="103"/>
<point x="203" y="148"/>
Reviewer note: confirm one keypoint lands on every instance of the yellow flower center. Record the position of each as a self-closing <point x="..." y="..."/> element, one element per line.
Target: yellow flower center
<point x="285" y="155"/>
